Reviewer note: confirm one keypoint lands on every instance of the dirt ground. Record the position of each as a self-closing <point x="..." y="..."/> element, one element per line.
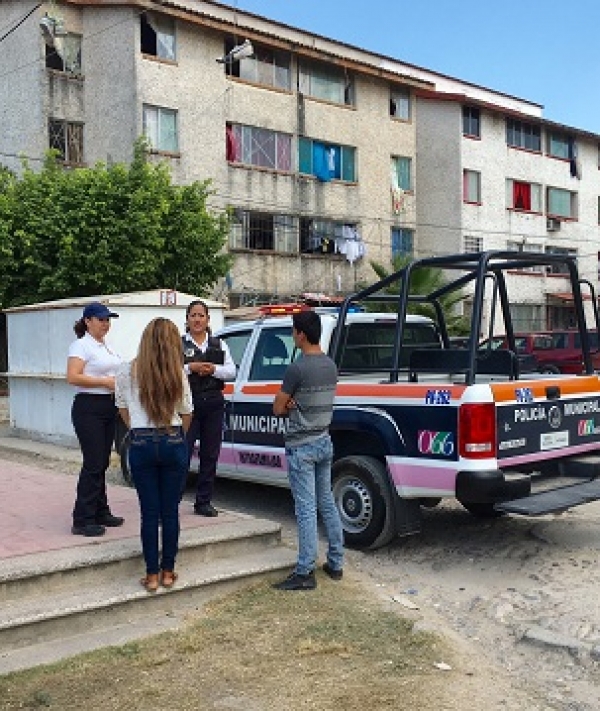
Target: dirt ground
<point x="519" y="597"/>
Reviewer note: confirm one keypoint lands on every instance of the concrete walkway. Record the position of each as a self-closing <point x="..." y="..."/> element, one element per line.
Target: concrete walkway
<point x="36" y="503"/>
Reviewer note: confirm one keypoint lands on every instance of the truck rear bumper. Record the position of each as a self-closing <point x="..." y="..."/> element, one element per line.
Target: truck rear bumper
<point x="490" y="486"/>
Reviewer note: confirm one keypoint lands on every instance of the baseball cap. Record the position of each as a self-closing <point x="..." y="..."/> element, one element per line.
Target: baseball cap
<point x="98" y="310"/>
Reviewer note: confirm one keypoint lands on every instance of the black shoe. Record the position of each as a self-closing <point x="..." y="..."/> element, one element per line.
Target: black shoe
<point x="297" y="582"/>
<point x="332" y="572"/>
<point x="205" y="510"/>
<point x="89" y="529"/>
<point x="111" y="521"/>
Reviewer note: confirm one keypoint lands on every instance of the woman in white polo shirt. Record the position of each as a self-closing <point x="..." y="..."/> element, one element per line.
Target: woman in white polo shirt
<point x="91" y="368"/>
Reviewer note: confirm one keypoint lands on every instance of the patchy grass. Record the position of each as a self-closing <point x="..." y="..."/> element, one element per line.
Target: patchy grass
<point x="256" y="650"/>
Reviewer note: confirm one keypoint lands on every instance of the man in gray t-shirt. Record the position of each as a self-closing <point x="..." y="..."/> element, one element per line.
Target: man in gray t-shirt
<point x="306" y="398"/>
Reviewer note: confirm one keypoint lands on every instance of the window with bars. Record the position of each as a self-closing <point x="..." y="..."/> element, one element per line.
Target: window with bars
<point x="472" y="244"/>
<point x="263" y="231"/>
<point x="471" y="125"/>
<point x="400" y="103"/>
<point x="260" y="147"/>
<point x="66" y="137"/>
<point x="318" y="235"/>
<point x="268" y="67"/>
<point x="160" y="128"/>
<point x="326" y="82"/>
<point x="326" y="161"/>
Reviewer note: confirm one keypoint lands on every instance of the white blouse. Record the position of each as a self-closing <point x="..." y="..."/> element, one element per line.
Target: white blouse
<point x="127" y="396"/>
<point x="99" y="361"/>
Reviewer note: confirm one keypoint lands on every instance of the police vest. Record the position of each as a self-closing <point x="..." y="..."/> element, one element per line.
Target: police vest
<point x="202" y="385"/>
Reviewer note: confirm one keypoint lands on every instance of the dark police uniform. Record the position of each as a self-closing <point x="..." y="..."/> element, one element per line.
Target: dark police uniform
<point x="207" y="421"/>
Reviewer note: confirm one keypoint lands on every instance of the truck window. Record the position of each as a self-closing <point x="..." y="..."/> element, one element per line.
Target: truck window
<point x="237" y="342"/>
<point x="274" y="352"/>
<point x="369" y="346"/>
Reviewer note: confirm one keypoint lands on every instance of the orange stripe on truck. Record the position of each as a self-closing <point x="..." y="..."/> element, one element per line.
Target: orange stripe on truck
<point x="407" y="390"/>
<point x="575" y="385"/>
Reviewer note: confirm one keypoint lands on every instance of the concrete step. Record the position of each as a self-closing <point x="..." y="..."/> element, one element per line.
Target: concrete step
<point x="68" y="601"/>
<point x="56" y="573"/>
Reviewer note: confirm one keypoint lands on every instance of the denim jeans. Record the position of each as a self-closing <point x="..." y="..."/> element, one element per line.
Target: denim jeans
<point x="158" y="463"/>
<point x="309" y="469"/>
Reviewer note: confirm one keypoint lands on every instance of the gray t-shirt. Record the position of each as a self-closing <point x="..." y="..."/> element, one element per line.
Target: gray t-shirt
<point x="311" y="381"/>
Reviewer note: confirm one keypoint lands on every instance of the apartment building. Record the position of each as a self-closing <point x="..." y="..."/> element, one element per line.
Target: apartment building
<point x="299" y="139"/>
<point x="493" y="178"/>
<point x="327" y="154"/>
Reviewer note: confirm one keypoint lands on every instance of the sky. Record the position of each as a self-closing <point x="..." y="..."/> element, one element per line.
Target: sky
<point x="545" y="51"/>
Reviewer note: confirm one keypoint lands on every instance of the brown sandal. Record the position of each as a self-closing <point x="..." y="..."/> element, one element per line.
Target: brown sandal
<point x="168" y="578"/>
<point x="150" y="582"/>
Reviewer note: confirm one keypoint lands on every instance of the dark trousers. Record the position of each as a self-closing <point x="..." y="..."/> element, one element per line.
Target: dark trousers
<point x="93" y="418"/>
<point x="207" y="427"/>
<point x="158" y="462"/>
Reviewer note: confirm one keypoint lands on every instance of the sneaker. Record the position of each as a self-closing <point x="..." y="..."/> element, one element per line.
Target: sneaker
<point x="332" y="572"/>
<point x="295" y="581"/>
<point x="111" y="521"/>
<point x="89" y="529"/>
<point x="205" y="510"/>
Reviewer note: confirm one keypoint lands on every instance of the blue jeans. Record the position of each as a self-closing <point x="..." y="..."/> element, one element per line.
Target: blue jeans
<point x="158" y="464"/>
<point x="309" y="470"/>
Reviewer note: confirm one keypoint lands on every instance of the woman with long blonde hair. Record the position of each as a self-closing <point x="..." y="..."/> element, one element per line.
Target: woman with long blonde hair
<point x="154" y="400"/>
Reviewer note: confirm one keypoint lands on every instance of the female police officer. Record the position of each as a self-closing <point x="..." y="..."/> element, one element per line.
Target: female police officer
<point x="208" y="363"/>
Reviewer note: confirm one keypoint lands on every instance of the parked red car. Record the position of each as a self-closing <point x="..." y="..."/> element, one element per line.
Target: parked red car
<point x="555" y="351"/>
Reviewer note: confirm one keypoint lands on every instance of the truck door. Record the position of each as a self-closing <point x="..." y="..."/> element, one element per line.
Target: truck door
<point x="256" y="433"/>
<point x="237" y="342"/>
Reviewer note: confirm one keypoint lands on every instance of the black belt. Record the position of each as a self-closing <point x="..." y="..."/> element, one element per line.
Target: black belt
<point x="175" y="429"/>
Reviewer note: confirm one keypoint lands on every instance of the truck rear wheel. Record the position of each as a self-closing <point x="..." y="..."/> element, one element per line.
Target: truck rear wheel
<point x="364" y="498"/>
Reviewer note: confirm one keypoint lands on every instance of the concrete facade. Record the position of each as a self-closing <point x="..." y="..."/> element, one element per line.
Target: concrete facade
<point x="117" y="80"/>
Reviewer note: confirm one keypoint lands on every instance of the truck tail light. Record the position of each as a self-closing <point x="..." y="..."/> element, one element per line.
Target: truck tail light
<point x="477" y="430"/>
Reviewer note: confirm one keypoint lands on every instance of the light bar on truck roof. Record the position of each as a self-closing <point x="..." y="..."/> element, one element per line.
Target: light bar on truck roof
<point x="283" y="309"/>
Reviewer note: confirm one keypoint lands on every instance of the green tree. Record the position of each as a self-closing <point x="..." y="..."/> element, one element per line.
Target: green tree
<point x="108" y="229"/>
<point x="425" y="280"/>
<point x="7" y="182"/>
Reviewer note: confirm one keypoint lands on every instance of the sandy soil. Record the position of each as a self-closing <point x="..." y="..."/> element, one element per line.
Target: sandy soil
<point x="519" y="598"/>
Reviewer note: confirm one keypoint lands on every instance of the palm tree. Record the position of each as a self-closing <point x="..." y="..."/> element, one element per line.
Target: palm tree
<point x="423" y="281"/>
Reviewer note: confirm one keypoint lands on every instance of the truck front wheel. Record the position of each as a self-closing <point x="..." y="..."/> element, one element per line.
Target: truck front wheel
<point x="363" y="496"/>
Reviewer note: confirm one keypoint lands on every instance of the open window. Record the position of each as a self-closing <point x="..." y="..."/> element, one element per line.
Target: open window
<point x="157" y="36"/>
<point x="64" y="54"/>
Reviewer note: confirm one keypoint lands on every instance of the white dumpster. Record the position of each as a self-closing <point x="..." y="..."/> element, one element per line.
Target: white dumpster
<point x="38" y="340"/>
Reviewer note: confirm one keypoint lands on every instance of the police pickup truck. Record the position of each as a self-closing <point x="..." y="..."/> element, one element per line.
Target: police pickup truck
<point x="417" y="420"/>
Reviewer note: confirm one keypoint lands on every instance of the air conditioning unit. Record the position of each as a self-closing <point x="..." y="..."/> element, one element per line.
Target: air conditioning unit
<point x="552" y="224"/>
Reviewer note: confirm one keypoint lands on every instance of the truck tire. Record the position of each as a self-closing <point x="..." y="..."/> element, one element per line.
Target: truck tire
<point x="549" y="369"/>
<point x="364" y="498"/>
